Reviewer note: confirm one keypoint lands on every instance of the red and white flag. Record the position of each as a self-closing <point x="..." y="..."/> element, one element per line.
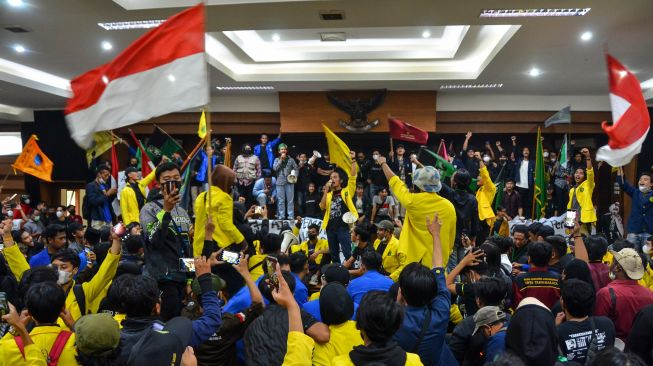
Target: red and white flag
<point x="163" y="71"/>
<point x="631" y="121"/>
<point x="400" y="130"/>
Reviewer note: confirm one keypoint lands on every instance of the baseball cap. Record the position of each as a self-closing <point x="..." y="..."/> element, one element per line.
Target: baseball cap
<point x="427" y="179"/>
<point x="386" y="225"/>
<point x="486" y="316"/>
<point x="97" y="334"/>
<point x="630" y="261"/>
<point x="164" y="346"/>
<point x="217" y="284"/>
<point x="336" y="306"/>
<point x="336" y="272"/>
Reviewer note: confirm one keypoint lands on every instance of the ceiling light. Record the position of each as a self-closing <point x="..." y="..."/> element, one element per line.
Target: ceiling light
<point x="106" y="45"/>
<point x="586" y="36"/>
<point x="136" y="24"/>
<point x="535" y="72"/>
<point x="19" y="48"/>
<point x="15" y="3"/>
<point x="276" y="37"/>
<point x="513" y="13"/>
<point x="471" y="86"/>
<point x="333" y="36"/>
<point x="426" y="34"/>
<point x="255" y="87"/>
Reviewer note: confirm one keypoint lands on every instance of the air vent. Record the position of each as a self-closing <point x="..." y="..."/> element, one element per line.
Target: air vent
<point x="332" y="15"/>
<point x="17" y="29"/>
<point x="333" y="36"/>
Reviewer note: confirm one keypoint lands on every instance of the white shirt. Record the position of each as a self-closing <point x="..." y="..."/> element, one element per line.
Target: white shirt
<point x="505" y="262"/>
<point x="523" y="175"/>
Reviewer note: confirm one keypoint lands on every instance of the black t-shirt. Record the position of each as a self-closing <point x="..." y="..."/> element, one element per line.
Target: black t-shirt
<point x="468" y="298"/>
<point x="337" y="210"/>
<point x="312" y="206"/>
<point x="575" y="337"/>
<point x="377" y="176"/>
<point x="322" y="164"/>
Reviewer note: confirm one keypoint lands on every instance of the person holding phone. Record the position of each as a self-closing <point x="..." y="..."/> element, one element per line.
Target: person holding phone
<point x="99" y="195"/>
<point x="166" y="227"/>
<point x="580" y="197"/>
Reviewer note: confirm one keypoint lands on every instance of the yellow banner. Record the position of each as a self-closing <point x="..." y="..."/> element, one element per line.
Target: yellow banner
<point x="338" y="150"/>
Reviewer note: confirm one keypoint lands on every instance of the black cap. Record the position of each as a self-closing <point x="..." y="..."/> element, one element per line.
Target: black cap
<point x="336" y="306"/>
<point x="336" y="272"/>
<point x="164" y="346"/>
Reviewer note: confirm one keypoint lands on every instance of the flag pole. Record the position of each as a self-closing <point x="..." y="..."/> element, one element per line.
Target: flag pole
<point x="4" y="180"/>
<point x="192" y="153"/>
<point x="208" y="119"/>
<point x="165" y="133"/>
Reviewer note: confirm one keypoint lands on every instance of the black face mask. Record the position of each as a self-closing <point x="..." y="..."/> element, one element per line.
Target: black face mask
<point x="312" y="237"/>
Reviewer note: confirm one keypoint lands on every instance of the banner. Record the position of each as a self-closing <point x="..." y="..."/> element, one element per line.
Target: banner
<point x="274" y="227"/>
<point x="556" y="222"/>
<point x="303" y="230"/>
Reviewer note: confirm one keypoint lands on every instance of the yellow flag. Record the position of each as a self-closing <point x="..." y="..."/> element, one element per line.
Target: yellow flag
<point x="201" y="129"/>
<point x="338" y="150"/>
<point x="101" y="144"/>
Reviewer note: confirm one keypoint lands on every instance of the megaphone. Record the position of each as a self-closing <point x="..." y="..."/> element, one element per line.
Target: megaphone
<point x="316" y="155"/>
<point x="349" y="219"/>
<point x="292" y="177"/>
<point x="288" y="239"/>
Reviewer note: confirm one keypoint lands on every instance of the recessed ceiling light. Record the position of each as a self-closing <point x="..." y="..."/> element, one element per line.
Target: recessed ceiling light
<point x="136" y="24"/>
<point x="19" y="48"/>
<point x="15" y="3"/>
<point x="516" y="13"/>
<point x="534" y="72"/>
<point x="586" y="36"/>
<point x="106" y="45"/>
<point x="426" y="34"/>
<point x="276" y="37"/>
<point x="472" y="86"/>
<point x="254" y="87"/>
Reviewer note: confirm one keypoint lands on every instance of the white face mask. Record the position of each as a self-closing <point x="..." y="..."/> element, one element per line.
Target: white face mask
<point x="486" y="159"/>
<point x="375" y="156"/>
<point x="27" y="201"/>
<point x="553" y="160"/>
<point x="101" y="181"/>
<point x="545" y="154"/>
<point x="63" y="277"/>
<point x="59" y="213"/>
<point x="644" y="189"/>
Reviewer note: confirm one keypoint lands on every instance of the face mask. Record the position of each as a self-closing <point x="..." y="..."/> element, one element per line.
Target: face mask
<point x="375" y="156"/>
<point x="486" y="159"/>
<point x="312" y="236"/>
<point x="545" y="154"/>
<point x="247" y="151"/>
<point x="612" y="276"/>
<point x="72" y="212"/>
<point x="10" y="213"/>
<point x="63" y="277"/>
<point x="27" y="201"/>
<point x="37" y="218"/>
<point x="644" y="189"/>
<point x="553" y="160"/>
<point x="59" y="213"/>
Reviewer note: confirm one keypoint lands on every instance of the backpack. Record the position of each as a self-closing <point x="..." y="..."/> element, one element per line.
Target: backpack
<point x="55" y="351"/>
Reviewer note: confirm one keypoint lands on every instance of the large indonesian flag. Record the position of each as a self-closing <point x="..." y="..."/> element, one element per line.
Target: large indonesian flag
<point x="163" y="71"/>
<point x="631" y="121"/>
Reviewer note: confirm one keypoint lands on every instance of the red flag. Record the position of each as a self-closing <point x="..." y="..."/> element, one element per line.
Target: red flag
<point x="146" y="164"/>
<point x="114" y="161"/>
<point x="442" y="150"/>
<point x="631" y="121"/>
<point x="400" y="130"/>
<point x="163" y="71"/>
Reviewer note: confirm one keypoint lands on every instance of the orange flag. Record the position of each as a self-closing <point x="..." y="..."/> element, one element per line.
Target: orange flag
<point x="33" y="161"/>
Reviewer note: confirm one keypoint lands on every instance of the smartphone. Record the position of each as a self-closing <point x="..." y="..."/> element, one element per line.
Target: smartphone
<point x="4" y="304"/>
<point x="272" y="271"/>
<point x="170" y="186"/>
<point x="570" y="220"/>
<point x="187" y="264"/>
<point x="230" y="257"/>
<point x="120" y="229"/>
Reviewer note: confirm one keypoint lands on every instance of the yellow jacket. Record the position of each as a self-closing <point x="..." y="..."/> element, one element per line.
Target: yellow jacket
<point x="222" y="213"/>
<point x="256" y="270"/>
<point x="347" y="193"/>
<point x="647" y="280"/>
<point x="415" y="241"/>
<point x="299" y="349"/>
<point x="344" y="360"/>
<point x="344" y="337"/>
<point x="43" y="337"/>
<point x="485" y="197"/>
<point x="94" y="290"/>
<point x="584" y="196"/>
<point x="321" y="244"/>
<point x="390" y="258"/>
<point x="128" y="203"/>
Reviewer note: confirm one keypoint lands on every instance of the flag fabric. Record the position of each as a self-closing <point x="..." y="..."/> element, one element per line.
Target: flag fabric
<point x="429" y="158"/>
<point x="442" y="150"/>
<point x="114" y="162"/>
<point x="630" y="119"/>
<point x="33" y="161"/>
<point x="146" y="165"/>
<point x="163" y="71"/>
<point x="201" y="129"/>
<point x="160" y="143"/>
<point x="338" y="150"/>
<point x="400" y="130"/>
<point x="539" y="196"/>
<point x="101" y="143"/>
<point x="186" y="176"/>
<point x="564" y="153"/>
<point x="560" y="117"/>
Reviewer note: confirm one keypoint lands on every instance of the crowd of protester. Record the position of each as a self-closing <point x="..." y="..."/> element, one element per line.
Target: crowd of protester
<point x="406" y="268"/>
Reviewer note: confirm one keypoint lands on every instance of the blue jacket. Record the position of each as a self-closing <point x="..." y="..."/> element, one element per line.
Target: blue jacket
<point x="43" y="258"/>
<point x="369" y="281"/>
<point x="641" y="212"/>
<point x="209" y="322"/>
<point x="313" y="307"/>
<point x="531" y="172"/>
<point x="432" y="349"/>
<point x="239" y="302"/>
<point x="301" y="292"/>
<point x="269" y="149"/>
<point x="496" y="345"/>
<point x="96" y="201"/>
<point x="259" y="186"/>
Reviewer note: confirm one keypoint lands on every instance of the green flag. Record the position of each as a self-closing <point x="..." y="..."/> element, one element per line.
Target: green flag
<point x="539" y="197"/>
<point x="428" y="157"/>
<point x="564" y="159"/>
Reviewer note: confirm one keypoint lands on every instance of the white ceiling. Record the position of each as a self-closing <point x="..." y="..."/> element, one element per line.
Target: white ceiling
<point x="64" y="41"/>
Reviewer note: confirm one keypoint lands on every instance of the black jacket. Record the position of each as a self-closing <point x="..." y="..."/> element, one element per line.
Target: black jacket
<point x="466" y="210"/>
<point x="131" y="332"/>
<point x="532" y="336"/>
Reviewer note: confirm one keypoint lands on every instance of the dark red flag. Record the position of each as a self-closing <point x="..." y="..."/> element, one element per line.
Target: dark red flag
<point x="400" y="130"/>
